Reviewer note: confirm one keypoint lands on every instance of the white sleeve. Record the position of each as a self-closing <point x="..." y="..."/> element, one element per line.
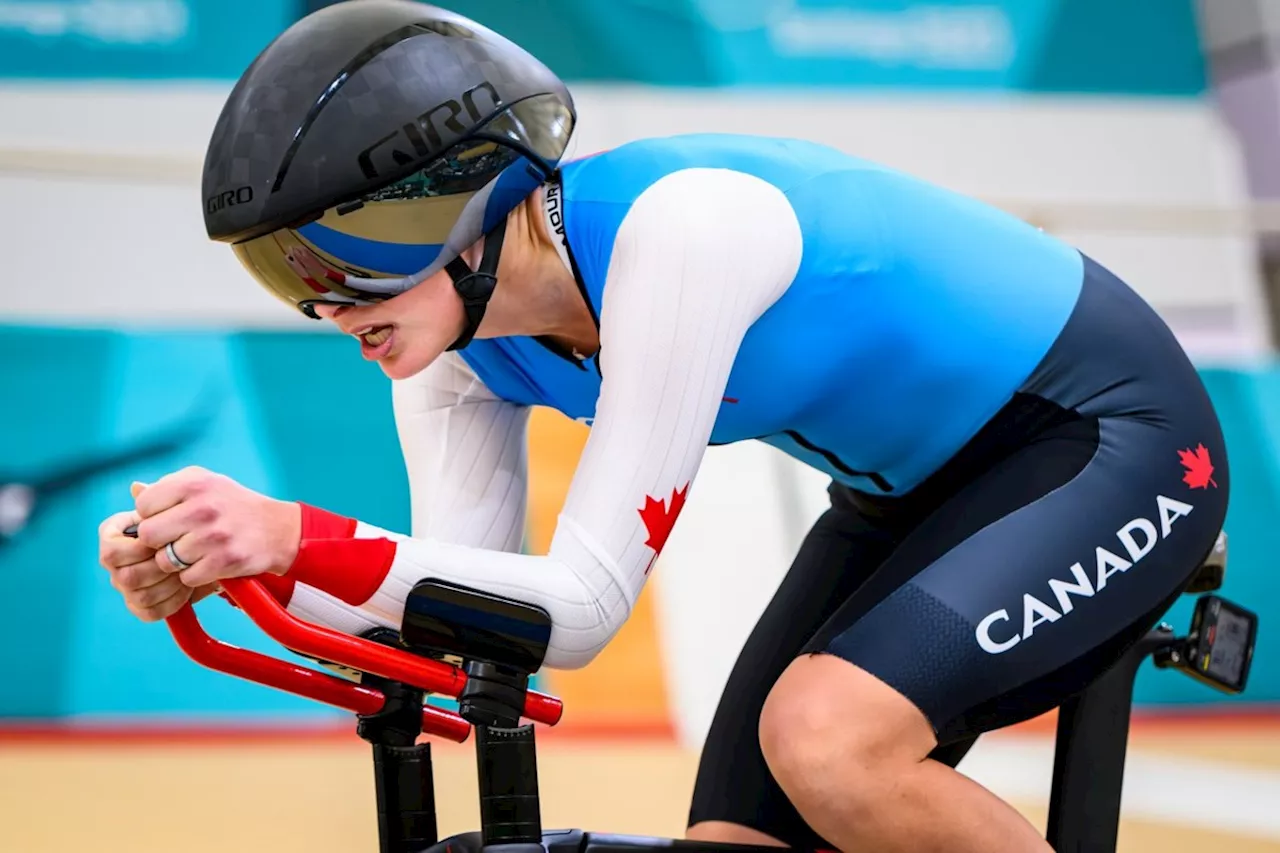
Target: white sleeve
<point x="465" y="454"/>
<point x="698" y="258"/>
<point x="464" y="450"/>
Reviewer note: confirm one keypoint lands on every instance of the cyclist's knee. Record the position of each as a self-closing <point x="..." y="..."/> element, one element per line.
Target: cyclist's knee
<point x="829" y="723"/>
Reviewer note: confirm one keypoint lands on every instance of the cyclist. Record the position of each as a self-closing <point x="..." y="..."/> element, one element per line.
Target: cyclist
<point x="1025" y="467"/>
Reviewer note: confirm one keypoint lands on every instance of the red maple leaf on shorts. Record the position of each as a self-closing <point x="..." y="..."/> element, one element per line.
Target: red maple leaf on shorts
<point x="659" y="518"/>
<point x="1199" y="473"/>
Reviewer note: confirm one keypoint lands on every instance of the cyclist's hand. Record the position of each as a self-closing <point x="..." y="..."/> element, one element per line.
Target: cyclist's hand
<point x="149" y="592"/>
<point x="218" y="527"/>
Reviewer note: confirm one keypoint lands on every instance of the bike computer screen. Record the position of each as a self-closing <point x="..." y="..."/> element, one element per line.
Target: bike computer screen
<point x="1224" y="639"/>
<point x="1229" y="647"/>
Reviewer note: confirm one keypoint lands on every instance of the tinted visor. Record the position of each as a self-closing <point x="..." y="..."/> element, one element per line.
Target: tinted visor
<point x="368" y="249"/>
<point x="387" y="241"/>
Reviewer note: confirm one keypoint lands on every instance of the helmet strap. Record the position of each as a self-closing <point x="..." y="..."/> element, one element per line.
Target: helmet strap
<point x="476" y="286"/>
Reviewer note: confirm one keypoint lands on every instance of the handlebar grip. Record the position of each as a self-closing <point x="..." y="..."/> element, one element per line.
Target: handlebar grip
<point x="445" y="724"/>
<point x="543" y="708"/>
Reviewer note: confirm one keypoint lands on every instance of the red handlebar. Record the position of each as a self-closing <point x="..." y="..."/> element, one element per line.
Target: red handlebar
<point x="326" y="644"/>
<point x="299" y="680"/>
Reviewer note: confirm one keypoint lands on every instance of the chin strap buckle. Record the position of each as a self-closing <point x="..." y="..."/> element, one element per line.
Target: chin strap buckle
<point x="475" y="287"/>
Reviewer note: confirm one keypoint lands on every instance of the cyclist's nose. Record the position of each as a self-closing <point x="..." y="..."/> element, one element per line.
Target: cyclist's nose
<point x="330" y="312"/>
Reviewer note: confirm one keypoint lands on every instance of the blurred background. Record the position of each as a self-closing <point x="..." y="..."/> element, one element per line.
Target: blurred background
<point x="1144" y="131"/>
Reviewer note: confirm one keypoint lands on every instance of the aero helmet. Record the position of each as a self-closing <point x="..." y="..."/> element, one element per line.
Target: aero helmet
<point x="371" y="143"/>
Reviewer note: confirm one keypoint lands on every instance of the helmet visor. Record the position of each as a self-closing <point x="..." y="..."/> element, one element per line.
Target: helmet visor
<point x="379" y="245"/>
<point x="387" y="241"/>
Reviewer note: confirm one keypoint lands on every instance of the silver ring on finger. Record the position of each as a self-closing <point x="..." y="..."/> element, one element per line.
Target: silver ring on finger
<point x="174" y="558"/>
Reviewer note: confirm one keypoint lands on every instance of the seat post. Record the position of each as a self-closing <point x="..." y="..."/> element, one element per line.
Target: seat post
<point x="1089" y="756"/>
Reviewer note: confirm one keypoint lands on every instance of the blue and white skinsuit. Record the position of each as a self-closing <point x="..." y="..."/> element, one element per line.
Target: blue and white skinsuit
<point x="1003" y="421"/>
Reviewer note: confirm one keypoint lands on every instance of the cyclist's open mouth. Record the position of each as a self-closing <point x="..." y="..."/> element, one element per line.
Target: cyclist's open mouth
<point x="376" y="343"/>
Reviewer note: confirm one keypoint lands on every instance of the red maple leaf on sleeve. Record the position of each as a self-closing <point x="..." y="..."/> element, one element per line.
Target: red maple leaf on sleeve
<point x="659" y="518"/>
<point x="1199" y="473"/>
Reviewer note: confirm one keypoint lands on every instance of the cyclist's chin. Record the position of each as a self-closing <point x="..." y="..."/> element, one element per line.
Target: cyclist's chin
<point x="409" y="360"/>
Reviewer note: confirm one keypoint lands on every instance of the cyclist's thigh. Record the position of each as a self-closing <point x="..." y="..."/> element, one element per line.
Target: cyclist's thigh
<point x="734" y="784"/>
<point x="1011" y="619"/>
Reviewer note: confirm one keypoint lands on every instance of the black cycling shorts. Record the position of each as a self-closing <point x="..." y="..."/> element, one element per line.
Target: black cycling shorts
<point x="1012" y="577"/>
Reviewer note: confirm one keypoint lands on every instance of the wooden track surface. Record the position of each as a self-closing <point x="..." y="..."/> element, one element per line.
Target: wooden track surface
<point x="316" y="797"/>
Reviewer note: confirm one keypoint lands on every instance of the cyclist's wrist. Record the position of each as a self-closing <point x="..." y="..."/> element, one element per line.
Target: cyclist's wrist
<point x="285" y="520"/>
<point x="328" y="556"/>
<point x="306" y="523"/>
<point x="298" y="523"/>
<point x="320" y="523"/>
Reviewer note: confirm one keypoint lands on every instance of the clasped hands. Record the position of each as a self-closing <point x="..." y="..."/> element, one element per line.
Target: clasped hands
<point x="218" y="528"/>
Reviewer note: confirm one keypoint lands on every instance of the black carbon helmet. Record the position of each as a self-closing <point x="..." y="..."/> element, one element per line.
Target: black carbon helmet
<point x="371" y="143"/>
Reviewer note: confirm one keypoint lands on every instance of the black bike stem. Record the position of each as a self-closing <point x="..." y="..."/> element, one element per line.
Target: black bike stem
<point x="401" y="769"/>
<point x="506" y="755"/>
<point x="406" y="798"/>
